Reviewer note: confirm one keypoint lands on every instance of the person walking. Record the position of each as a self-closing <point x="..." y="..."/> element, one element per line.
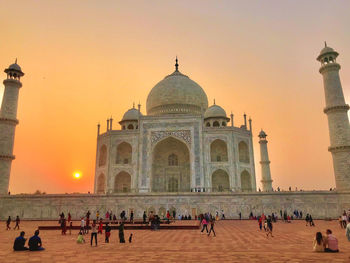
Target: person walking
<point x="212" y="223"/>
<point x="269" y="227"/>
<point x="144" y="217"/>
<point x="347" y="233"/>
<point x="82" y="225"/>
<point x="64" y="226"/>
<point x="311" y="221"/>
<point x="132" y="216"/>
<point x="107" y="233"/>
<point x="93" y="232"/>
<point x="8" y="222"/>
<point x="69" y="217"/>
<point x="205" y="225"/>
<point x="100" y="227"/>
<point x="17" y="223"/>
<point x="240" y="216"/>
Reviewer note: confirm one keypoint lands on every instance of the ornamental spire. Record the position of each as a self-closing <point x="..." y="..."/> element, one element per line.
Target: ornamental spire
<point x="176" y="65"/>
<point x="325" y="44"/>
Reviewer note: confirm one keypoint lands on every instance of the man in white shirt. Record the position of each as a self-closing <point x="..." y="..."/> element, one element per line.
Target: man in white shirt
<point x="82" y="225"/>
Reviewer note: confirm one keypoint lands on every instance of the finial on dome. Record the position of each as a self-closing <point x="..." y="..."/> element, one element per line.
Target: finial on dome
<point x="176" y="65"/>
<point x="133" y="105"/>
<point x="16" y="61"/>
<point x="325" y="44"/>
<point x="214" y="102"/>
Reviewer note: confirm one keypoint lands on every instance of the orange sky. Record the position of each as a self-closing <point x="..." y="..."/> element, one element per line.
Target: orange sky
<point x="87" y="60"/>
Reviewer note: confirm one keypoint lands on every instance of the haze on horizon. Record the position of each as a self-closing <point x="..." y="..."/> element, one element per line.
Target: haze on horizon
<point x="85" y="61"/>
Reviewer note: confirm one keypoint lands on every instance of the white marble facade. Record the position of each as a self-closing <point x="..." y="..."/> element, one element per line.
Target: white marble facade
<point x="181" y="145"/>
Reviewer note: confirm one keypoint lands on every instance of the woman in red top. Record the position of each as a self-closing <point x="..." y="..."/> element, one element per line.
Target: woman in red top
<point x="100" y="227"/>
<point x="69" y="218"/>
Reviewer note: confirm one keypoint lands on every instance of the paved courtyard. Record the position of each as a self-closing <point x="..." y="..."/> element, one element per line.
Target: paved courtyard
<point x="236" y="241"/>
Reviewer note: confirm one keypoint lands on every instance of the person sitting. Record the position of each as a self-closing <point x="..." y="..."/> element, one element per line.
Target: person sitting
<point x="20" y="242"/>
<point x="318" y="244"/>
<point x="331" y="242"/>
<point x="80" y="239"/>
<point x="35" y="243"/>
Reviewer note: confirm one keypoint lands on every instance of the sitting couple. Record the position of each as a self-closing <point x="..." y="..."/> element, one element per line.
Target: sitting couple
<point x="329" y="243"/>
<point x="34" y="242"/>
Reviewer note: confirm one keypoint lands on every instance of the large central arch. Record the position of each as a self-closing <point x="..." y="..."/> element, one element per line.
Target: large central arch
<point x="171" y="166"/>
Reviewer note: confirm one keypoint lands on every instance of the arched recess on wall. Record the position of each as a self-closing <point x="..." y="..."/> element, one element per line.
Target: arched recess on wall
<point x="218" y="151"/>
<point x="101" y="184"/>
<point x="122" y="182"/>
<point x="243" y="152"/>
<point x="246" y="184"/>
<point x="102" y="155"/>
<point x="124" y="153"/>
<point x="170" y="173"/>
<point x="220" y="181"/>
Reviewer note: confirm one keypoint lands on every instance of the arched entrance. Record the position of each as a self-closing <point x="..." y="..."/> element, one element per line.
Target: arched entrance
<point x="246" y="184"/>
<point x="220" y="181"/>
<point x="101" y="184"/>
<point x="122" y="183"/>
<point x="171" y="166"/>
<point x="124" y="153"/>
<point x="218" y="151"/>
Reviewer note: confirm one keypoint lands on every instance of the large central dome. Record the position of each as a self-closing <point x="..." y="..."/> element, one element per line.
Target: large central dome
<point x="176" y="94"/>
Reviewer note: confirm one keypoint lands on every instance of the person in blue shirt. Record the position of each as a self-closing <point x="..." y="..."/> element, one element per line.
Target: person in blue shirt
<point x="20" y="242"/>
<point x="35" y="243"/>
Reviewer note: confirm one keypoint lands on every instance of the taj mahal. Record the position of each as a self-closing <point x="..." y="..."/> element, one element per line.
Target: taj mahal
<point x="181" y="145"/>
<point x="183" y="155"/>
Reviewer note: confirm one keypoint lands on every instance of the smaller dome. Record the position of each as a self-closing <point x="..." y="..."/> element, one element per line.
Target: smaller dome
<point x="215" y="111"/>
<point x="15" y="66"/>
<point x="327" y="50"/>
<point x="131" y="115"/>
<point x="262" y="134"/>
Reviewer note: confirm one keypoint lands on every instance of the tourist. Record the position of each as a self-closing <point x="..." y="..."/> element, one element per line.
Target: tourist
<point x="35" y="243"/>
<point x="20" y="242"/>
<point x="222" y="214"/>
<point x="212" y="222"/>
<point x="17" y="223"/>
<point x="205" y="225"/>
<point x="144" y="217"/>
<point x="269" y="227"/>
<point x="107" y="233"/>
<point x="80" y="239"/>
<point x="260" y="222"/>
<point x="307" y="219"/>
<point x="8" y="222"/>
<point x="87" y="225"/>
<point x="82" y="225"/>
<point x="348" y="231"/>
<point x="122" y="215"/>
<point x="240" y="216"/>
<point x="97" y="214"/>
<point x="319" y="243"/>
<point x="69" y="217"/>
<point x="114" y="218"/>
<point x="63" y="226"/>
<point x="130" y="238"/>
<point x="132" y="216"/>
<point x="100" y="227"/>
<point x="121" y="233"/>
<point x="174" y="214"/>
<point x="344" y="218"/>
<point x="110" y="216"/>
<point x="340" y="220"/>
<point x="93" y="232"/>
<point x="311" y="221"/>
<point x="88" y="214"/>
<point x="217" y="216"/>
<point x="331" y="242"/>
<point x="107" y="215"/>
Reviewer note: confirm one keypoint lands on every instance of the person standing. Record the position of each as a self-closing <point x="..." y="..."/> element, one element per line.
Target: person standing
<point x="269" y="226"/>
<point x="64" y="226"/>
<point x="121" y="233"/>
<point x="93" y="232"/>
<point x="8" y="222"/>
<point x="240" y="216"/>
<point x="132" y="216"/>
<point x="212" y="223"/>
<point x="100" y="227"/>
<point x="17" y="223"/>
<point x="82" y="225"/>
<point x="144" y="217"/>
<point x="347" y="233"/>
<point x="69" y="217"/>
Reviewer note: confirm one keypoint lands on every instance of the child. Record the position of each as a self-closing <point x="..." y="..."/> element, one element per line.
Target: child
<point x="80" y="239"/>
<point x="130" y="238"/>
<point x="100" y="227"/>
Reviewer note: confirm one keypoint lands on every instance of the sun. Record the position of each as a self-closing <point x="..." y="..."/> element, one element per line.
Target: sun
<point x="77" y="175"/>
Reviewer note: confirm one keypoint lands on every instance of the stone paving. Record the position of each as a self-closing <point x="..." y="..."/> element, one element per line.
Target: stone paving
<point x="236" y="241"/>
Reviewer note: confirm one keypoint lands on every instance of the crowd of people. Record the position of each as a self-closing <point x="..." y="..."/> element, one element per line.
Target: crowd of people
<point x="322" y="242"/>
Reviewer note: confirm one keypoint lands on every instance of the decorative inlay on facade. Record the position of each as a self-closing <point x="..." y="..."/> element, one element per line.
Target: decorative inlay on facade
<point x="185" y="135"/>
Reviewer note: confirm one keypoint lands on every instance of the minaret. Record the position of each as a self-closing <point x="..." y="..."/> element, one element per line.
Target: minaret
<point x="265" y="163"/>
<point x="338" y="120"/>
<point x="8" y="122"/>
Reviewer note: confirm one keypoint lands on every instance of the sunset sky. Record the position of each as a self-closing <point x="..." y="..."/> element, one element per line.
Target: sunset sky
<point x="85" y="61"/>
